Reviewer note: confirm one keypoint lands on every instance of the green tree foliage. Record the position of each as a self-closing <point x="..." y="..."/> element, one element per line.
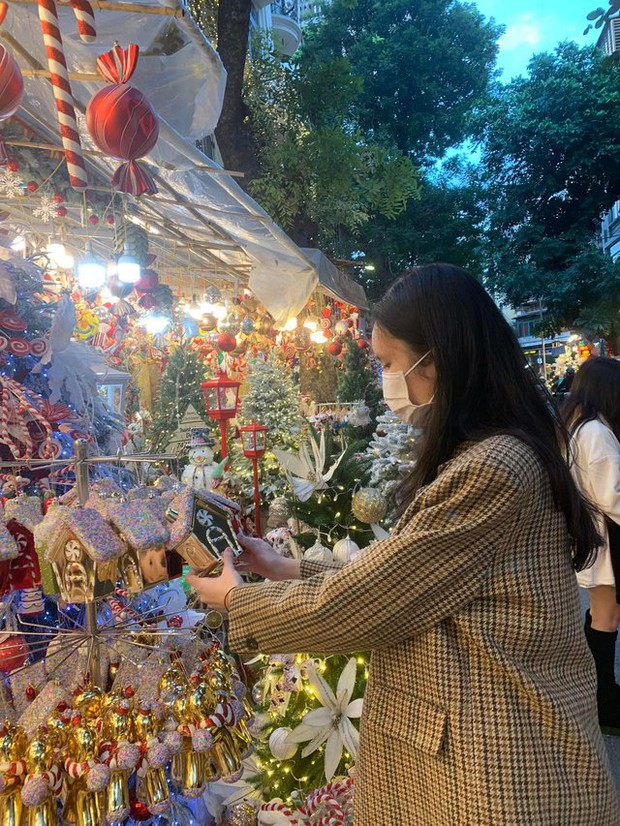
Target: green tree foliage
<point x="358" y="381"/>
<point x="413" y="70"/>
<point x="318" y="176"/>
<point x="551" y="170"/>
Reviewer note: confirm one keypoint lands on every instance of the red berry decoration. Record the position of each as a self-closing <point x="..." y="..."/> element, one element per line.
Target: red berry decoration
<point x="226" y="342"/>
<point x="32" y="186"/>
<point x="335" y="348"/>
<point x="58" y="198"/>
<point x="11" y="92"/>
<point x="61" y="212"/>
<point x="93" y="219"/>
<point x="122" y="123"/>
<point x="110" y="219"/>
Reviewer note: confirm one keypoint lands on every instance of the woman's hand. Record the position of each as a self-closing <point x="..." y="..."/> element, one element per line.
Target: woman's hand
<point x="214" y="590"/>
<point x="259" y="557"/>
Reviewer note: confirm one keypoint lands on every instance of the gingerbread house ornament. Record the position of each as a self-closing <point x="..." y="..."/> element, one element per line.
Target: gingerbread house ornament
<point x="148" y="559"/>
<point x="204" y="525"/>
<point x="84" y="553"/>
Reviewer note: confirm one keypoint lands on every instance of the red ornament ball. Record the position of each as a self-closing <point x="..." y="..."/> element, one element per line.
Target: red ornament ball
<point x="11" y="85"/>
<point x="327" y="311"/>
<point x="327" y="334"/>
<point x="335" y="348"/>
<point x="148" y="281"/>
<point x="31" y="693"/>
<point x="13" y="166"/>
<point x="32" y="186"/>
<point x="110" y="219"/>
<point x="13" y="652"/>
<point x="140" y="811"/>
<point x="226" y="342"/>
<point x="59" y="198"/>
<point x="362" y="344"/>
<point x="121" y="122"/>
<point x="93" y="219"/>
<point x="61" y="212"/>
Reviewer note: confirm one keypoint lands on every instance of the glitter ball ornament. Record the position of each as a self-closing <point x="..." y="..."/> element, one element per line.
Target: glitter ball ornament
<point x="278" y="746"/>
<point x="335" y="348"/>
<point x="212" y="295"/>
<point x="226" y="343"/>
<point x="341" y="328"/>
<point x="242" y="814"/>
<point x="346" y="550"/>
<point x="230" y="325"/>
<point x="369" y="505"/>
<point x="247" y="326"/>
<point x="279" y="512"/>
<point x="301" y="339"/>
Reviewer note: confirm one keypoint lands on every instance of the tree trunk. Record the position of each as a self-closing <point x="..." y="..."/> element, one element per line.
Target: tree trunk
<point x="234" y="137"/>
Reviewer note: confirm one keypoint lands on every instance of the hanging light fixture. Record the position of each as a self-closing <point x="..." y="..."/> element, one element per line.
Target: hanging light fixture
<point x="129" y="270"/>
<point x="91" y="272"/>
<point x="220" y="312"/>
<point x="154" y="323"/>
<point x="59" y="256"/>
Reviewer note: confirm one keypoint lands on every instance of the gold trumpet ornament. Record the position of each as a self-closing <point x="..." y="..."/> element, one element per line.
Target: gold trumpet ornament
<point x="13" y="744"/>
<point x="84" y="805"/>
<point x="121" y="754"/>
<point x="43" y="781"/>
<point x="152" y="786"/>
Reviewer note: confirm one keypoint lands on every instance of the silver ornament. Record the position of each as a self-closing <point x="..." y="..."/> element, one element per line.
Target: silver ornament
<point x="213" y="295"/>
<point x="247" y="326"/>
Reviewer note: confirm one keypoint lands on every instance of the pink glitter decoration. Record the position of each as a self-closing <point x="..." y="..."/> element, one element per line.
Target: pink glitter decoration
<point x="239" y="689"/>
<point x="174" y="741"/>
<point x="26" y="510"/>
<point x="159" y="808"/>
<point x="36" y="789"/>
<point x="8" y="546"/>
<point x="95" y="534"/>
<point x="158" y="755"/>
<point x="127" y="757"/>
<point x="202" y="740"/>
<point x="183" y="506"/>
<point x="98" y="778"/>
<point x="140" y="524"/>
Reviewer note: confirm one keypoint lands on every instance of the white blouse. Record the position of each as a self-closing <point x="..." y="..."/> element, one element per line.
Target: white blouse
<point x="596" y="470"/>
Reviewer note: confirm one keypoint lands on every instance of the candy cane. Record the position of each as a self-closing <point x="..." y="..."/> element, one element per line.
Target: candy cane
<point x="15" y="768"/>
<point x="12" y="394"/>
<point x="276" y="806"/>
<point x="62" y="94"/>
<point x="85" y="19"/>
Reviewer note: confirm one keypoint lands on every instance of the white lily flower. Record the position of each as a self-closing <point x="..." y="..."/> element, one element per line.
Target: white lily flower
<point x="331" y="723"/>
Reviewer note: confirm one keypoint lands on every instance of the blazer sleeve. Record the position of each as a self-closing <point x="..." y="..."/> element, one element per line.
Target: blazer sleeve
<point x="400" y="586"/>
<point x="310" y="567"/>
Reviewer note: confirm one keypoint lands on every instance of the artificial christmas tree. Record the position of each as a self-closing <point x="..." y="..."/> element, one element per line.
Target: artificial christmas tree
<point x="392" y="455"/>
<point x="358" y="380"/>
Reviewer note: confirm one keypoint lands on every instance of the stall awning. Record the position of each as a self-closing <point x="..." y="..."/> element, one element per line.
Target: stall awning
<point x="334" y="282"/>
<point x="221" y="230"/>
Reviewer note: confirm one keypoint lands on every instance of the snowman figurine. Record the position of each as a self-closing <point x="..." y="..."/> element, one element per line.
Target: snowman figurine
<point x="201" y="470"/>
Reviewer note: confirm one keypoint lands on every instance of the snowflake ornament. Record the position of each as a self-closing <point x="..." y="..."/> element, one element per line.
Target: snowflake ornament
<point x="46" y="210"/>
<point x="11" y="183"/>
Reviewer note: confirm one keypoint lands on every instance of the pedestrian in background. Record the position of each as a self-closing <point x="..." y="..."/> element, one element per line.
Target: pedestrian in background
<point x="592" y="415"/>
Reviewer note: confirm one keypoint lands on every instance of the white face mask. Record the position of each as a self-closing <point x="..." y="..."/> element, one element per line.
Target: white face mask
<point x="396" y="395"/>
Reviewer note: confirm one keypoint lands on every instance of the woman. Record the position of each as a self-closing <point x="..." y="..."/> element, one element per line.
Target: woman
<point x="480" y="706"/>
<point x="592" y="414"/>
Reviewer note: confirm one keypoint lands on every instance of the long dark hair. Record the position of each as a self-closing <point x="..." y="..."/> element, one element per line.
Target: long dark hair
<point x="484" y="385"/>
<point x="595" y="392"/>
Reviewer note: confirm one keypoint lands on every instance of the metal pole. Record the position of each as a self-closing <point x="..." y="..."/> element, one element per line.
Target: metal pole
<point x="223" y="440"/>
<point x="257" y="524"/>
<point x="544" y="355"/>
<point x="90" y="608"/>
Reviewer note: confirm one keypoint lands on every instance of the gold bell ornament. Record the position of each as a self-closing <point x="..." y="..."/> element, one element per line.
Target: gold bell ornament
<point x="152" y="786"/>
<point x="89" y="778"/>
<point x="121" y="754"/>
<point x="13" y="744"/>
<point x="43" y="782"/>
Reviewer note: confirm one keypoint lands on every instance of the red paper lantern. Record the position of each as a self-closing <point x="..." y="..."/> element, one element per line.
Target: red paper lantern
<point x="335" y="348"/>
<point x="13" y="652"/>
<point x="122" y="123"/>
<point x="11" y="91"/>
<point x="226" y="342"/>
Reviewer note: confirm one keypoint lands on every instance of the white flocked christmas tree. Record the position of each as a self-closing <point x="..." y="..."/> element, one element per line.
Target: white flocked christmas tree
<point x="393" y="448"/>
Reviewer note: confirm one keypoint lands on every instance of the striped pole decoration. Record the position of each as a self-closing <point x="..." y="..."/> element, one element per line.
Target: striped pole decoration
<point x="85" y="19"/>
<point x="62" y="94"/>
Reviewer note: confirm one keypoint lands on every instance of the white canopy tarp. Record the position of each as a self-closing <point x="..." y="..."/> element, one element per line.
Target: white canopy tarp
<point x="184" y="80"/>
<point x="334" y="282"/>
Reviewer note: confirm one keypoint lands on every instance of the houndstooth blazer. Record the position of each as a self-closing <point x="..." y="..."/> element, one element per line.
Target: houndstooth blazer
<point x="480" y="708"/>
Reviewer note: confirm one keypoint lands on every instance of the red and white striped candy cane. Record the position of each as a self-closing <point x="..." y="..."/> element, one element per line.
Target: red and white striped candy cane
<point x="62" y="94"/>
<point x="85" y="19"/>
<point x="276" y="806"/>
<point x="15" y="768"/>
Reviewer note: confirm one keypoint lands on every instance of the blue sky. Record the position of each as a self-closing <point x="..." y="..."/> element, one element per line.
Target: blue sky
<point x="537" y="26"/>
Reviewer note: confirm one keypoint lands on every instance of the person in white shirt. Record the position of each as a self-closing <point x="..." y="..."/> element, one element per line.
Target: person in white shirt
<point x="592" y="415"/>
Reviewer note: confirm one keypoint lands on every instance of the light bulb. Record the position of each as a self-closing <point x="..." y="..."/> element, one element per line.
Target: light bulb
<point x="154" y="324"/>
<point x="19" y="244"/>
<point x="310" y="324"/>
<point x="219" y="312"/>
<point x="318" y="337"/>
<point x="91" y="273"/>
<point x="194" y="310"/>
<point x="290" y="325"/>
<point x="129" y="269"/>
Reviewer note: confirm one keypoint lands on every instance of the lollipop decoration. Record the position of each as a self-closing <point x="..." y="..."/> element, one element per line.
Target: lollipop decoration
<point x="11" y="91"/>
<point x="57" y="65"/>
<point x="122" y="123"/>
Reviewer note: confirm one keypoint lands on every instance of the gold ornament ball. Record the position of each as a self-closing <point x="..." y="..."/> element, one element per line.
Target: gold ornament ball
<point x="369" y="505"/>
<point x="242" y="814"/>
